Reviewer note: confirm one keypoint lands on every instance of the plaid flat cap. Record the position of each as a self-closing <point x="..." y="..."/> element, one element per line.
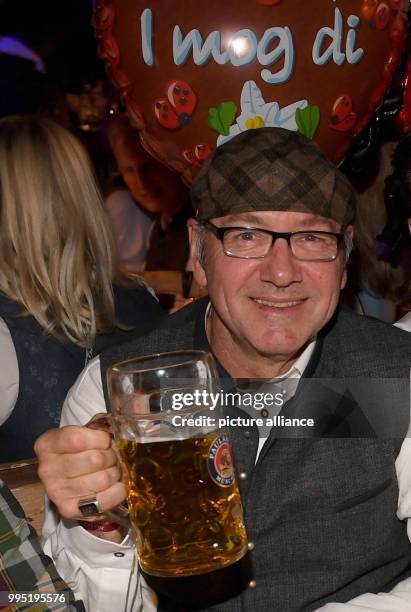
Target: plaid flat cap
<point x="272" y="169"/>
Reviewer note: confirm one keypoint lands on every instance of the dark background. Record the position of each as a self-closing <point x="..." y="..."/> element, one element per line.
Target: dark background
<point x="60" y="31"/>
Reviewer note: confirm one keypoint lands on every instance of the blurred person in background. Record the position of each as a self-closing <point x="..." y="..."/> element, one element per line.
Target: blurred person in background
<point x="380" y="269"/>
<point x="131" y="223"/>
<point x="399" y="219"/>
<point x="149" y="221"/>
<point x="58" y="306"/>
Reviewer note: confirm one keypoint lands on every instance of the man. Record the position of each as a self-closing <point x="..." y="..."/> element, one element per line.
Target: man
<point x="24" y="568"/>
<point x="271" y="240"/>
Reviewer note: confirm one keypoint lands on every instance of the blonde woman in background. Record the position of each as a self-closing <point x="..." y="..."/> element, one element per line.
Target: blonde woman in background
<point x="58" y="306"/>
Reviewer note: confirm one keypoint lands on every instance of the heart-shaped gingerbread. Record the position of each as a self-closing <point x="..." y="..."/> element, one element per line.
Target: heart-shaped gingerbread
<point x="194" y="76"/>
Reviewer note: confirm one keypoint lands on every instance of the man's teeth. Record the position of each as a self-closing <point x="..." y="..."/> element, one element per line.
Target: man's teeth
<point x="278" y="304"/>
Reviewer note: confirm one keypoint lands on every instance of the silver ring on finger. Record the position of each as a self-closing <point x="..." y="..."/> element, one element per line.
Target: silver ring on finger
<point x="89" y="507"/>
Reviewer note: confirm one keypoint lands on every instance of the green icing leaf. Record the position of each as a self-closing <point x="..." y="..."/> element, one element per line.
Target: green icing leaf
<point x="220" y="118"/>
<point x="307" y="120"/>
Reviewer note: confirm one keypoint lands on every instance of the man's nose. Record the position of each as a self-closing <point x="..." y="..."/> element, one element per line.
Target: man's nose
<point x="280" y="267"/>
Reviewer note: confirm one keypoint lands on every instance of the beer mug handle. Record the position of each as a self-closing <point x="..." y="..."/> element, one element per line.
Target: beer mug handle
<point x="102" y="421"/>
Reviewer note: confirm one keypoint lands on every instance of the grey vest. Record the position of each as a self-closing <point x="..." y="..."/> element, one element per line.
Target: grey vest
<point x="321" y="511"/>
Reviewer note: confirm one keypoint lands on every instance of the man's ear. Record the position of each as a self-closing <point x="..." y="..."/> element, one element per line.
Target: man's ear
<point x="350" y="233"/>
<point x="343" y="279"/>
<point x="194" y="263"/>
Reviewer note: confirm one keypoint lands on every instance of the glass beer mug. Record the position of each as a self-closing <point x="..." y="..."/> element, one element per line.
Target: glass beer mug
<point x="183" y="500"/>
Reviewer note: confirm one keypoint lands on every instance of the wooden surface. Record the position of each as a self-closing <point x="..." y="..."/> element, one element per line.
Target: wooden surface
<point x="21" y="477"/>
<point x="168" y="282"/>
<point x="164" y="282"/>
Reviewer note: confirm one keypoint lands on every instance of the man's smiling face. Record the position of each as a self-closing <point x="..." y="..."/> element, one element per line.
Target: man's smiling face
<point x="267" y="310"/>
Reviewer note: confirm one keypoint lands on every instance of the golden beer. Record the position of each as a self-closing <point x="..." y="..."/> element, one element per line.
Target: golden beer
<point x="184" y="504"/>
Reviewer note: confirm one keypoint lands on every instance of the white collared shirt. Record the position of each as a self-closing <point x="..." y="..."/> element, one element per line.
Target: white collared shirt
<point x="295" y="372"/>
<point x="405" y="322"/>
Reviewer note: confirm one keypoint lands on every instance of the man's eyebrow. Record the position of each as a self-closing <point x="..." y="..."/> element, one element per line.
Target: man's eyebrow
<point x="243" y="218"/>
<point x="314" y="220"/>
<point x="309" y="221"/>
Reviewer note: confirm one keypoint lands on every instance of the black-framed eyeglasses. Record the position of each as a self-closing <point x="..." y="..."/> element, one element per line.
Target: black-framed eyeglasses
<point x="256" y="243"/>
